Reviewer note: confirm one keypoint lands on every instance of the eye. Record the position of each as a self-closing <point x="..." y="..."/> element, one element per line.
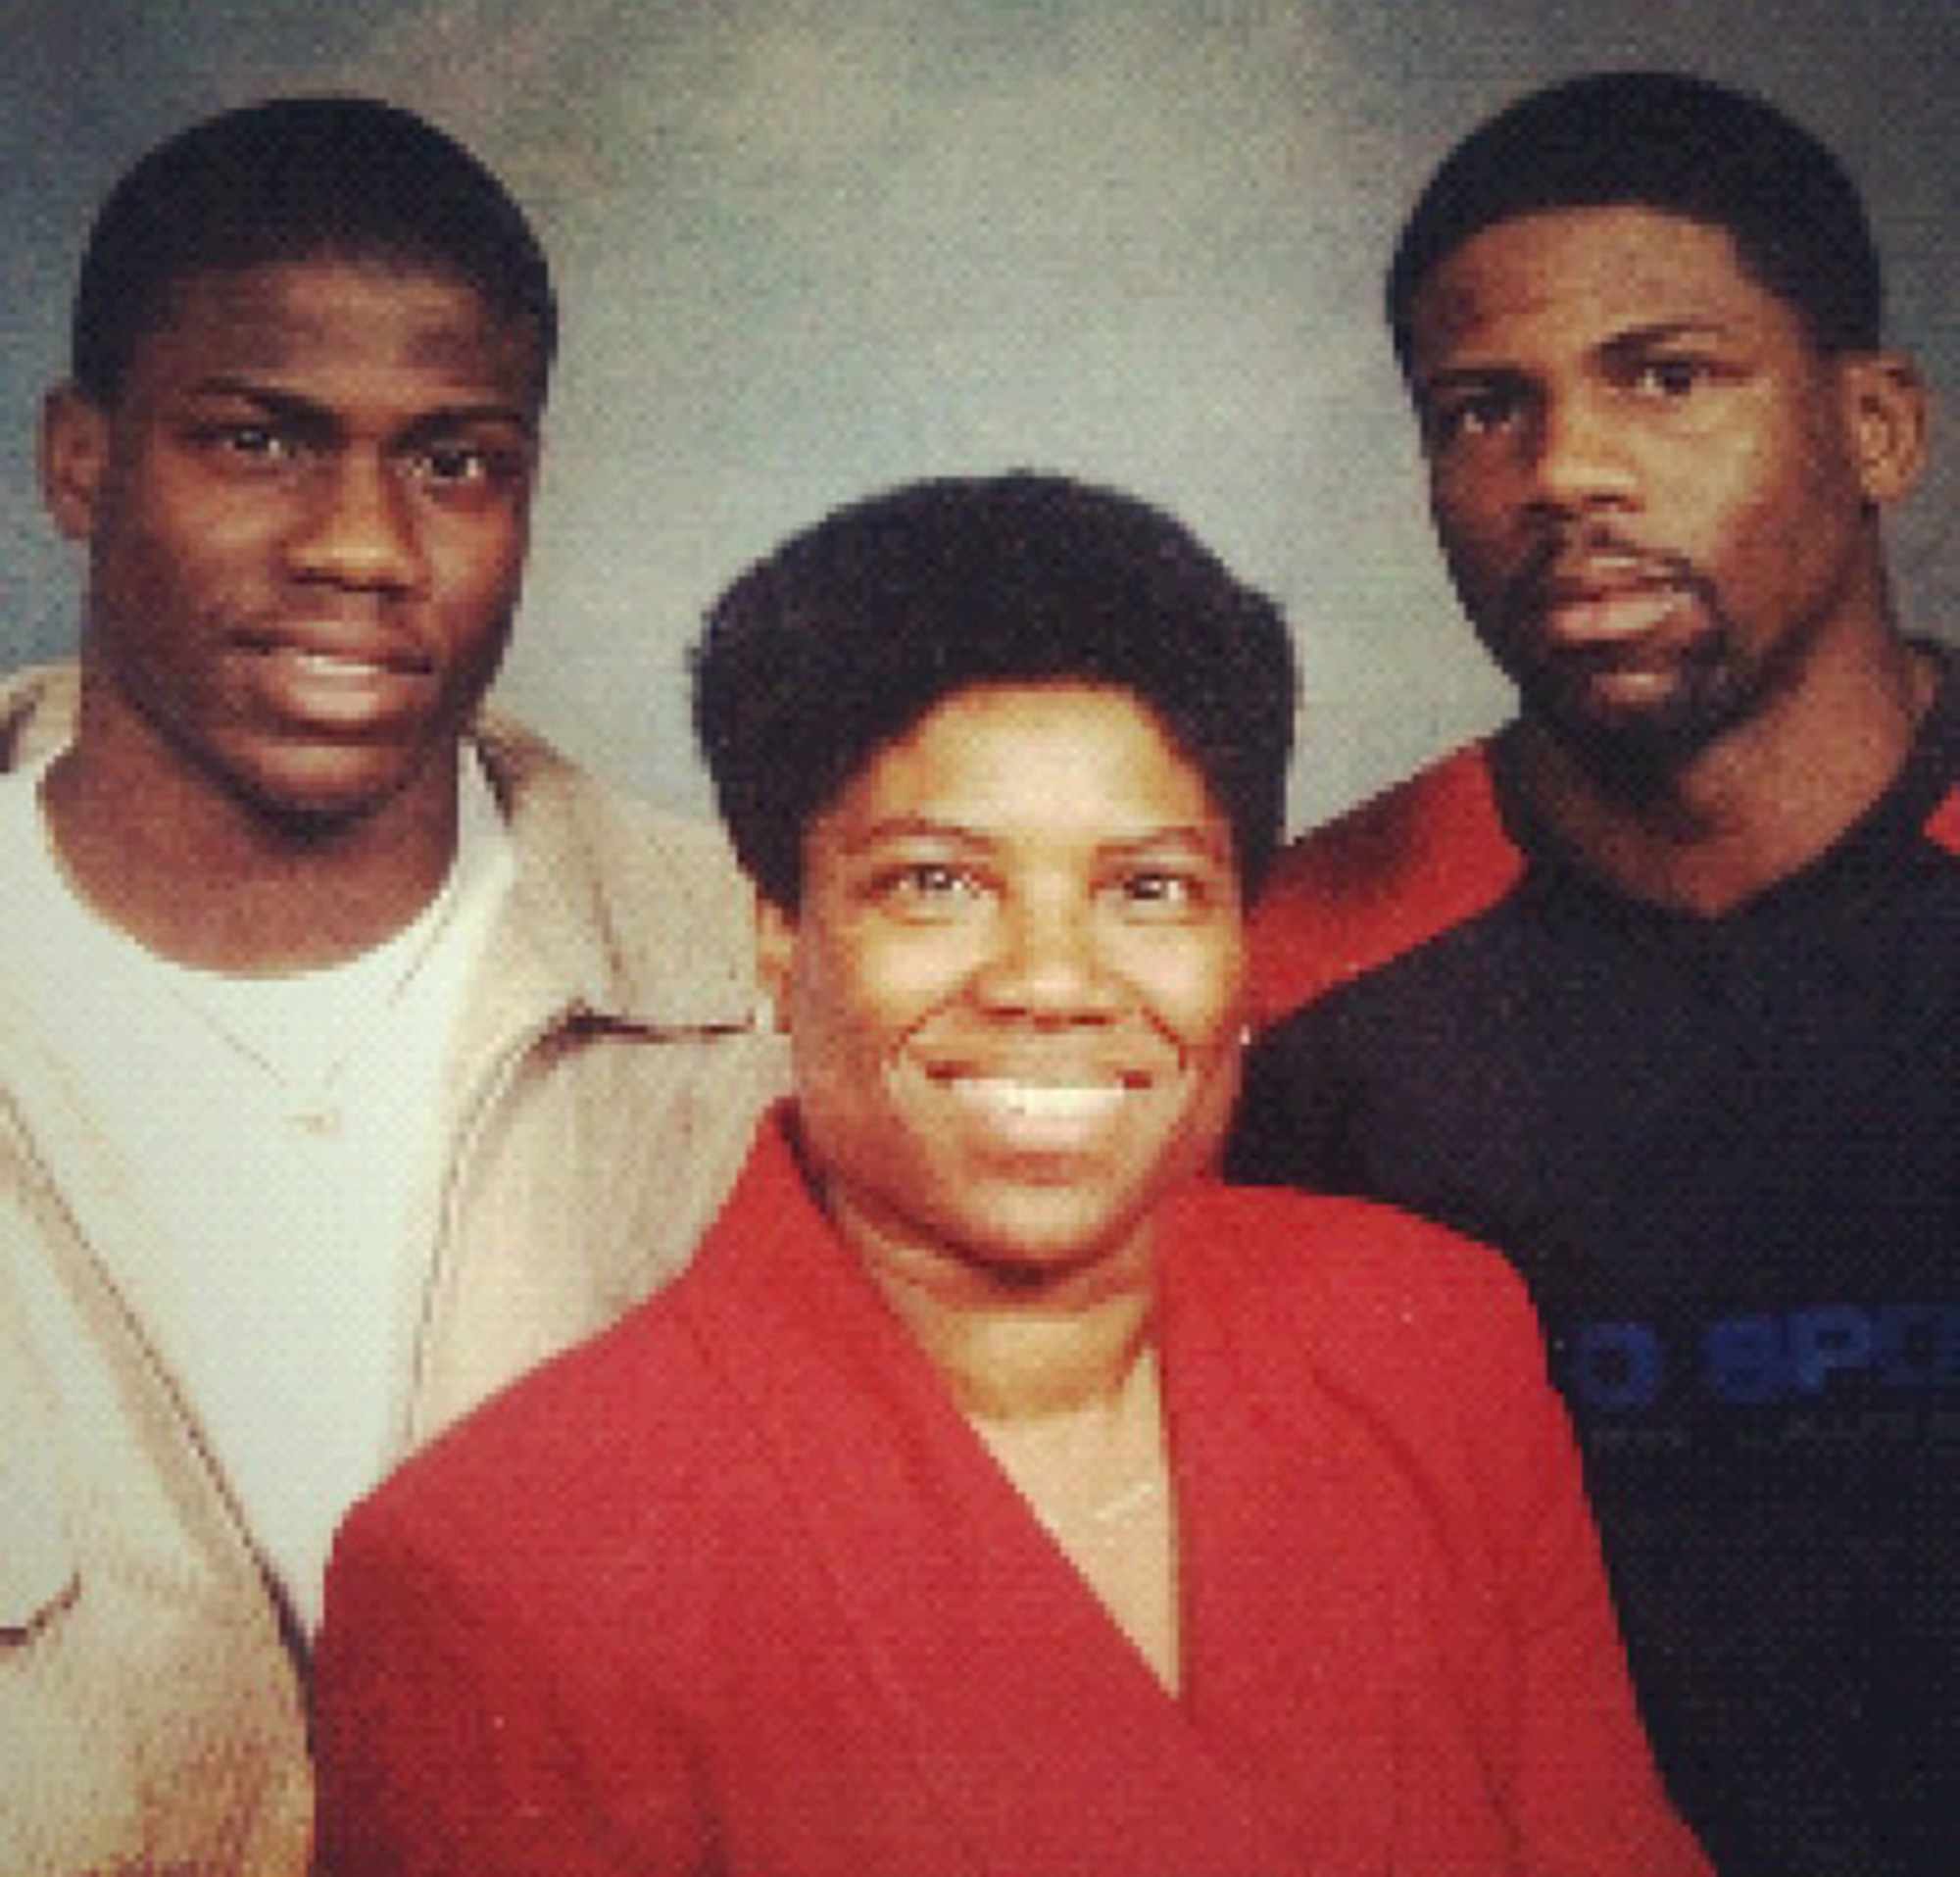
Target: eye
<point x="1669" y="377"/>
<point x="928" y="890"/>
<point x="247" y="445"/>
<point x="1451" y="417"/>
<point x="466" y="467"/>
<point x="1152" y="893"/>
<point x="1159" y="888"/>
<point x="454" y="463"/>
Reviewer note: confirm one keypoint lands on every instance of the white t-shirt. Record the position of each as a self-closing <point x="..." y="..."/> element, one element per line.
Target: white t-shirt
<point x="283" y="1134"/>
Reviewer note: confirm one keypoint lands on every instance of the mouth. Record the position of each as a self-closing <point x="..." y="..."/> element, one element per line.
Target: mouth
<point x="1041" y="1115"/>
<point x="1603" y="599"/>
<point x="1582" y="616"/>
<point x="335" y="681"/>
<point x="333" y="649"/>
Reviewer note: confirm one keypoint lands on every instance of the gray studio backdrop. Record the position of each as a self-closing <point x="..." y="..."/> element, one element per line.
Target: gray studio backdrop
<point x="807" y="250"/>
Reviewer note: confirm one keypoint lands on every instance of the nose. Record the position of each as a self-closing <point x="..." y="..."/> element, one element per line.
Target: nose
<point x="358" y="529"/>
<point x="1580" y="457"/>
<point x="1047" y="966"/>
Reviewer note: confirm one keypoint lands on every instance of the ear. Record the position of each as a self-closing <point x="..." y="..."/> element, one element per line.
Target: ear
<point x="1885" y="411"/>
<point x="775" y="956"/>
<point x="74" y="448"/>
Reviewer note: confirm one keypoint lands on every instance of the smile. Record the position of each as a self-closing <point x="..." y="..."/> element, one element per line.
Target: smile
<point x="1033" y="1117"/>
<point x="351" y="687"/>
<point x="336" y="664"/>
<point x="321" y="655"/>
<point x="1041" y="1102"/>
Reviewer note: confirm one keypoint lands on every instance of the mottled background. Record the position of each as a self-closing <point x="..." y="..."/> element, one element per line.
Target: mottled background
<point x="805" y="250"/>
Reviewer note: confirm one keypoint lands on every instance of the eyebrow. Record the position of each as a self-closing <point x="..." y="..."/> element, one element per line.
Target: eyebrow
<point x="1444" y="376"/>
<point x="1501" y="370"/>
<point x="295" y="408"/>
<point x="1212" y="840"/>
<point x="1664" y="332"/>
<point x="1627" y="339"/>
<point x="1206" y="838"/>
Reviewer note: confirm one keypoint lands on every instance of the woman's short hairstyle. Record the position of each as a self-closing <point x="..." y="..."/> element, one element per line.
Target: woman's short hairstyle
<point x="297" y="179"/>
<point x="1679" y="144"/>
<point x="846" y="636"/>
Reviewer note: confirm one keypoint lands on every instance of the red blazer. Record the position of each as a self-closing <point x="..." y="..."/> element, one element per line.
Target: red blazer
<point x="734" y="1588"/>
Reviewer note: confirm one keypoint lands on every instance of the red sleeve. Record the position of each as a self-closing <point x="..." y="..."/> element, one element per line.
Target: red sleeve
<point x="1942" y="826"/>
<point x="445" y="1744"/>
<point x="1383" y="880"/>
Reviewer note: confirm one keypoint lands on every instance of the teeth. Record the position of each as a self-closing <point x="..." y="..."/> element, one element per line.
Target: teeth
<point x="1040" y="1114"/>
<point x="1043" y="1101"/>
<point x="334" y="664"/>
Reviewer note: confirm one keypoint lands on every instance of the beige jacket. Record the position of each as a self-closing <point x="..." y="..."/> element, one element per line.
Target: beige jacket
<point x="601" y="1099"/>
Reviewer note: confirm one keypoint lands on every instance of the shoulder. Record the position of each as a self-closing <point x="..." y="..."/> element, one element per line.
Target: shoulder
<point x="1365" y="1287"/>
<point x="1943" y="827"/>
<point x="1382" y="879"/>
<point x="38" y="711"/>
<point x="1939" y="735"/>
<point x="549" y="797"/>
<point x="1943" y="823"/>
<point x="561" y="1477"/>
<point x="627" y="1465"/>
<point x="661" y="892"/>
<point x="1351" y="1326"/>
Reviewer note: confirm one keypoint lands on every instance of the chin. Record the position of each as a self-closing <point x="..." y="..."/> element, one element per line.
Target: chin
<point x="1031" y="1239"/>
<point x="329" y="789"/>
<point x="1659" y="736"/>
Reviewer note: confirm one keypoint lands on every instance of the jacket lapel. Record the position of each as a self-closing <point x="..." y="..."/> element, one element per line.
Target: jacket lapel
<point x="1039" y="1733"/>
<point x="1298" y="1623"/>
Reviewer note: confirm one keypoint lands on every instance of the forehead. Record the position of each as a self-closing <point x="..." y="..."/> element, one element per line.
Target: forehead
<point x="1590" y="272"/>
<point x="292" y="322"/>
<point x="1052" y="758"/>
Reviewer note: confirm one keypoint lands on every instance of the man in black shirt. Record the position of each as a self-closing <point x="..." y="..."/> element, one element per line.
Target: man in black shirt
<point x="1659" y="990"/>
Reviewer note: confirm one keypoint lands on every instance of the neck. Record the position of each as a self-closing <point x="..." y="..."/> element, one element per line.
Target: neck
<point x="204" y="878"/>
<point x="1756" y="803"/>
<point x="1021" y="1352"/>
<point x="1057" y="1376"/>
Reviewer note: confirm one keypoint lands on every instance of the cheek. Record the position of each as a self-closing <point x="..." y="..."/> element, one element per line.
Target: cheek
<point x="1213" y="1014"/>
<point x="468" y="606"/>
<point x="482" y="550"/>
<point x="1777" y="516"/>
<point x="171" y="548"/>
<point x="883" y="977"/>
<point x="846" y="1002"/>
<point x="1469" y="515"/>
<point x="844" y="1023"/>
<point x="1192" y="983"/>
<point x="149" y="577"/>
<point x="1206" y="1020"/>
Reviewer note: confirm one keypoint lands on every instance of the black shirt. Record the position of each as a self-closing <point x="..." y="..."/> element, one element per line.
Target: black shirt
<point x="1726" y="1156"/>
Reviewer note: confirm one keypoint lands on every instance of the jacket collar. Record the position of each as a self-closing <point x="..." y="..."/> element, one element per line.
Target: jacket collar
<point x="618" y="913"/>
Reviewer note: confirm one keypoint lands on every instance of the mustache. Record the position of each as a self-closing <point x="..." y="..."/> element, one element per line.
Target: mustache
<point x="1567" y="563"/>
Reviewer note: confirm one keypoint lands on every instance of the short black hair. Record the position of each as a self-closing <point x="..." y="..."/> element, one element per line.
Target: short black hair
<point x="1669" y="141"/>
<point x="851" y="632"/>
<point x="294" y="179"/>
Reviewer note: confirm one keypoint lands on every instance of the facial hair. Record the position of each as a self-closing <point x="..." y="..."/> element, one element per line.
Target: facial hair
<point x="1714" y="682"/>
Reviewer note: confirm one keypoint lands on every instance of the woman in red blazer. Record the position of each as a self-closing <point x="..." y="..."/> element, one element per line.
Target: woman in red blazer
<point x="996" y="1493"/>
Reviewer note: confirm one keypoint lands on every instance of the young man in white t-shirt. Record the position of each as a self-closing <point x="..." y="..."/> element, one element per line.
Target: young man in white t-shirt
<point x="354" y="1053"/>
